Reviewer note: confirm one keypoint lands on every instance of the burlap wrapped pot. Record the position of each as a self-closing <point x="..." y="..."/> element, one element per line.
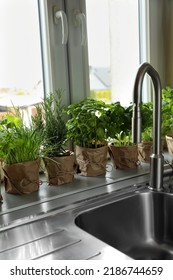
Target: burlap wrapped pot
<point x="144" y="151"/>
<point x="124" y="157"/>
<point x="60" y="170"/>
<point x="169" y="142"/>
<point x="22" y="178"/>
<point x="91" y="161"/>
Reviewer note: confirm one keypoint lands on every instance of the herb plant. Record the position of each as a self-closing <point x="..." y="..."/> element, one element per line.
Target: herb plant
<point x="147" y="115"/>
<point x="89" y="123"/>
<point x="119" y="119"/>
<point x="147" y="134"/>
<point x="18" y="143"/>
<point x="167" y="111"/>
<point x="122" y="139"/>
<point x="50" y="119"/>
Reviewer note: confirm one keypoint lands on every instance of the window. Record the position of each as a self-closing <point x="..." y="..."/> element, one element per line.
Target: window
<point x="112" y="48"/>
<point x="21" y="82"/>
<point x="104" y="66"/>
<point x="65" y="62"/>
<point x="113" y="43"/>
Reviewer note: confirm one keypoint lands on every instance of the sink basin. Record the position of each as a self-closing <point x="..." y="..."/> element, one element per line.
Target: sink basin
<point x="140" y="225"/>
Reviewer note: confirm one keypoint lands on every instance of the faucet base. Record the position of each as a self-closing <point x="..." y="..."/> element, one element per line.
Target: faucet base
<point x="156" y="172"/>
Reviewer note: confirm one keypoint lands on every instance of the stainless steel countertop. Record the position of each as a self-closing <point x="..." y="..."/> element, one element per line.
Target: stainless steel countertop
<point x="41" y="225"/>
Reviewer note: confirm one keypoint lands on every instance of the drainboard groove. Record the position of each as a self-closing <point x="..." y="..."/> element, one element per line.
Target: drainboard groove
<point x="33" y="240"/>
<point x="93" y="256"/>
<point x="58" y="249"/>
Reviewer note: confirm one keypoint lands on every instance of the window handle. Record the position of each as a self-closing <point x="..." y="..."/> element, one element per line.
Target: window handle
<point x="80" y="20"/>
<point x="60" y="17"/>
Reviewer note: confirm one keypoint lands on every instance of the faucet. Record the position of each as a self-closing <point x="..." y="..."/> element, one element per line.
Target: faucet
<point x="156" y="158"/>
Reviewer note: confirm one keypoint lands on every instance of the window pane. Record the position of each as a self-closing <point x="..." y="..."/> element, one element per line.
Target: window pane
<point x="20" y="54"/>
<point x="113" y="43"/>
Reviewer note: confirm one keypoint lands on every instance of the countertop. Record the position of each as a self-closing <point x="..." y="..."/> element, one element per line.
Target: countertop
<point x="41" y="225"/>
<point x="19" y="206"/>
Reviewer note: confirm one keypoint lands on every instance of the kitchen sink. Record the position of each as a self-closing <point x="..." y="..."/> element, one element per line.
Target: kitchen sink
<point x="140" y="225"/>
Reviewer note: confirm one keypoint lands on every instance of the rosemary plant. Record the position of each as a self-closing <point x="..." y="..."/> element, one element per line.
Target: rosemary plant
<point x="53" y="126"/>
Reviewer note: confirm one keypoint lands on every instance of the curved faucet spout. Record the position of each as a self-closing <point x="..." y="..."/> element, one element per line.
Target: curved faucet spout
<point x="156" y="159"/>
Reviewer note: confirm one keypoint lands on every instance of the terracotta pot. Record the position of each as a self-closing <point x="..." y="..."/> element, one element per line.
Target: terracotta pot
<point x="124" y="157"/>
<point x="22" y="178"/>
<point x="60" y="170"/>
<point x="91" y="161"/>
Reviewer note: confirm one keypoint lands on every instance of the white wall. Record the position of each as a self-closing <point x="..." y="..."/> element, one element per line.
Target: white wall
<point x="168" y="42"/>
<point x="157" y="28"/>
<point x="161" y="39"/>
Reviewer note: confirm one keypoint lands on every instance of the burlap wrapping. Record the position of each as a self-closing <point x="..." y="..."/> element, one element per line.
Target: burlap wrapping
<point x="1" y="172"/>
<point x="22" y="178"/>
<point x="169" y="142"/>
<point x="91" y="161"/>
<point x="124" y="156"/>
<point x="1" y="198"/>
<point x="144" y="151"/>
<point x="1" y="179"/>
<point x="60" y="170"/>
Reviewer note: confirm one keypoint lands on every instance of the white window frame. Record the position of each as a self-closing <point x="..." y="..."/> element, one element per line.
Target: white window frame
<point x="144" y="44"/>
<point x="65" y="66"/>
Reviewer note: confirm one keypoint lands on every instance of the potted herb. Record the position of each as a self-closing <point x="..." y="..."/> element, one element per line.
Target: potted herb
<point x="167" y="111"/>
<point x="1" y="180"/>
<point x="145" y="147"/>
<point x="87" y="129"/>
<point x="167" y="117"/>
<point x="123" y="153"/>
<point x="51" y="119"/>
<point x="119" y="119"/>
<point x="147" y="115"/>
<point x="20" y="153"/>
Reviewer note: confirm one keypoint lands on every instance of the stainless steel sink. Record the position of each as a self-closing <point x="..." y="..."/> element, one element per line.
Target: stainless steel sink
<point x="140" y="225"/>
